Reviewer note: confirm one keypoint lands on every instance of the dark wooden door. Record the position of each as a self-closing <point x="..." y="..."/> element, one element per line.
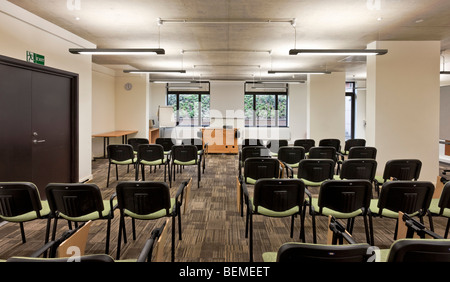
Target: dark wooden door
<point x="37" y="126"/>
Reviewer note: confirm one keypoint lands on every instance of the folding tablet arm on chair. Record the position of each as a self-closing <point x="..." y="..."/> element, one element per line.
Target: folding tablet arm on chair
<point x="415" y="227"/>
<point x="339" y="233"/>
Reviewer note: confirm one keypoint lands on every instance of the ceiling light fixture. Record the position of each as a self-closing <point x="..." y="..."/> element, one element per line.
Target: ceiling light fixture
<point x="154" y="71"/>
<point x="298" y="72"/>
<point x="120" y="51"/>
<point x="291" y="21"/>
<point x="339" y="52"/>
<point x="443" y="64"/>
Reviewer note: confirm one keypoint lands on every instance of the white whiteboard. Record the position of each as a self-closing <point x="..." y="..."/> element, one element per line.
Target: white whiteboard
<point x="166" y="116"/>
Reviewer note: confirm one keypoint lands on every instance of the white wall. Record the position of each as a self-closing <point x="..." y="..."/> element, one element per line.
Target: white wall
<point x="21" y="31"/>
<point x="227" y="103"/>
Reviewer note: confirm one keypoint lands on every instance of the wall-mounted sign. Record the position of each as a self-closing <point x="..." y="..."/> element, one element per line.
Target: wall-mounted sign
<point x="35" y="58"/>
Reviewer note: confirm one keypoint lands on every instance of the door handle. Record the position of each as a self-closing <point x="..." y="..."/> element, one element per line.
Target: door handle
<point x="38" y="141"/>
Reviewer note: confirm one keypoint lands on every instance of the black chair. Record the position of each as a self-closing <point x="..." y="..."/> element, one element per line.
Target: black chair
<point x="358" y="169"/>
<point x="185" y="155"/>
<point x="399" y="169"/>
<point x="291" y="156"/>
<point x="362" y="152"/>
<point x="323" y="152"/>
<point x="260" y="167"/>
<point x="251" y="152"/>
<point x="252" y="142"/>
<point x="148" y="201"/>
<point x="410" y="197"/>
<point x="20" y="202"/>
<point x="274" y="198"/>
<point x="152" y="155"/>
<point x="79" y="203"/>
<point x="343" y="199"/>
<point x="135" y="142"/>
<point x="202" y="150"/>
<point x="350" y="143"/>
<point x="313" y="253"/>
<point x="305" y="143"/>
<point x="419" y="250"/>
<point x="120" y="154"/>
<point x="167" y="144"/>
<point x="275" y="145"/>
<point x="314" y="172"/>
<point x="441" y="207"/>
<point x="331" y="142"/>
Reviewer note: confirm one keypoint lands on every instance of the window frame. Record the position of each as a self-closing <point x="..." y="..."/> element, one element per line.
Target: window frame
<point x="277" y="115"/>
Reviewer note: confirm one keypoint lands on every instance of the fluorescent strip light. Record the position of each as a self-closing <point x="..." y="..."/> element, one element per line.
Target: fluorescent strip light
<point x="339" y="52"/>
<point x="299" y="72"/>
<point x="444" y="72"/>
<point x="154" y="71"/>
<point x="128" y="51"/>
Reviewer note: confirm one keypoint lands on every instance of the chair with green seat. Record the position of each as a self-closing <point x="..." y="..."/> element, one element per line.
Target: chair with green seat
<point x="350" y="143"/>
<point x="152" y="155"/>
<point x="343" y="199"/>
<point x="167" y="144"/>
<point x="331" y="142"/>
<point x="78" y="203"/>
<point x="399" y="169"/>
<point x="120" y="154"/>
<point x="20" y="202"/>
<point x="251" y="152"/>
<point x="275" y="145"/>
<point x="305" y="143"/>
<point x="148" y="201"/>
<point x="252" y="142"/>
<point x="418" y="250"/>
<point x="135" y="142"/>
<point x="358" y="152"/>
<point x="202" y="149"/>
<point x="410" y="197"/>
<point x="291" y="156"/>
<point x="358" y="169"/>
<point x="260" y="167"/>
<point x="441" y="207"/>
<point x="275" y="198"/>
<point x="311" y="253"/>
<point x="185" y="155"/>
<point x="315" y="171"/>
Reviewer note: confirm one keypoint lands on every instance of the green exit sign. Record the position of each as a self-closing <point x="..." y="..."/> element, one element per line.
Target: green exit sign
<point x="35" y="58"/>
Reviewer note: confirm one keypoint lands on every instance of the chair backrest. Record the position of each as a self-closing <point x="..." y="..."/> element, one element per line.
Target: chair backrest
<point x="305" y="143"/>
<point x="362" y="152"/>
<point x="135" y="142"/>
<point x="120" y="152"/>
<point x="420" y="250"/>
<point x="74" y="200"/>
<point x="332" y="142"/>
<point x="254" y="151"/>
<point x="261" y="167"/>
<point x="276" y="144"/>
<point x="17" y="198"/>
<point x="316" y="169"/>
<point x="252" y="142"/>
<point x="184" y="153"/>
<point x="358" y="169"/>
<point x="278" y="194"/>
<point x="167" y="143"/>
<point x="291" y="155"/>
<point x="402" y="169"/>
<point x="193" y="141"/>
<point x="303" y="252"/>
<point x="345" y="196"/>
<point x="143" y="197"/>
<point x="406" y="196"/>
<point x="323" y="152"/>
<point x="350" y="143"/>
<point x="150" y="152"/>
<point x="444" y="200"/>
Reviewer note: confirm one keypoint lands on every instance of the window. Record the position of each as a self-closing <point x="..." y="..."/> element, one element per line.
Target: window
<point x="350" y="101"/>
<point x="190" y="108"/>
<point x="265" y="109"/>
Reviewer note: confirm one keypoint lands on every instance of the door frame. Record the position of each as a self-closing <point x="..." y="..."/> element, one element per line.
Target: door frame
<point x="74" y="105"/>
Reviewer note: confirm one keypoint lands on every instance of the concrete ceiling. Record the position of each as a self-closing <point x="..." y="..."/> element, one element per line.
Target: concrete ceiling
<point x="221" y="39"/>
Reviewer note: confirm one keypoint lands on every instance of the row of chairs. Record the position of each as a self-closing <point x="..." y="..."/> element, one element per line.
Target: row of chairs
<point x="344" y="200"/>
<point x="20" y="202"/>
<point x="139" y="153"/>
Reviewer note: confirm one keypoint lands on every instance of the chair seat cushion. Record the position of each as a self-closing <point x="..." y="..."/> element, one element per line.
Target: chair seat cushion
<point x="155" y="215"/>
<point x="126" y="162"/>
<point x="29" y="215"/>
<point x="336" y="214"/>
<point x="435" y="209"/>
<point x="271" y="213"/>
<point x="269" y="256"/>
<point x="92" y="215"/>
<point x="156" y="162"/>
<point x="310" y="183"/>
<point x="387" y="213"/>
<point x="177" y="162"/>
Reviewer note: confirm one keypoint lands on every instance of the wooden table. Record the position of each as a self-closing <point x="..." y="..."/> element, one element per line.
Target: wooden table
<point x="118" y="133"/>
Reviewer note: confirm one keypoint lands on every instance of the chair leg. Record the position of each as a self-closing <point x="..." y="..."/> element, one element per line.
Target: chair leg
<point x="117" y="173"/>
<point x="54" y="228"/>
<point x="447" y="228"/>
<point x="133" y="224"/>
<point x="109" y="170"/>
<point x="119" y="240"/>
<point x="179" y="225"/>
<point x="313" y="219"/>
<point x="430" y="219"/>
<point x="173" y="239"/>
<point x="292" y="226"/>
<point x="250" y="245"/>
<point x="108" y="235"/>
<point x="22" y="232"/>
